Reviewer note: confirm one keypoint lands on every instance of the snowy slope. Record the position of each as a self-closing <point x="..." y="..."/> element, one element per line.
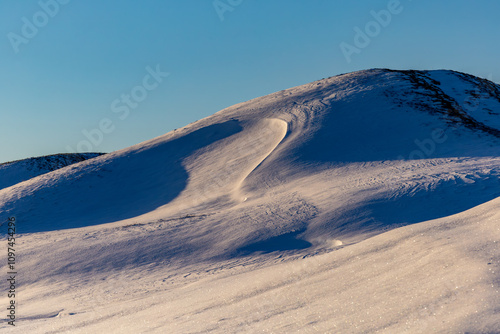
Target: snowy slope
<point x="434" y="277"/>
<point x="285" y="213"/>
<point x="21" y="170"/>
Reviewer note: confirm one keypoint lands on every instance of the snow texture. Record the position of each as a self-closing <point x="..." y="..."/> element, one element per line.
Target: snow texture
<point x="361" y="203"/>
<point x="21" y="170"/>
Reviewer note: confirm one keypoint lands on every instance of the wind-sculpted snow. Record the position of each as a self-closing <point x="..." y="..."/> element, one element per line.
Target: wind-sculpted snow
<point x="363" y="202"/>
<point x="115" y="187"/>
<point x="18" y="171"/>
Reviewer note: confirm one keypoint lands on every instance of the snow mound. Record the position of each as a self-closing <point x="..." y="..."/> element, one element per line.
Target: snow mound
<point x="363" y="202"/>
<point x="21" y="170"/>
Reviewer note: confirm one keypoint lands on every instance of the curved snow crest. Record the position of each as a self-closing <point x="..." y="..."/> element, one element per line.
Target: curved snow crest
<point x="114" y="187"/>
<point x="308" y="140"/>
<point x="219" y="172"/>
<point x="287" y="211"/>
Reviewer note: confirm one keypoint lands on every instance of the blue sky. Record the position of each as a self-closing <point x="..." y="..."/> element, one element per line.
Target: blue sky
<point x="67" y="67"/>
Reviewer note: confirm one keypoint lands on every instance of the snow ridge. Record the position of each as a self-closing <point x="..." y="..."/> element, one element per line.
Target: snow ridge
<point x="365" y="202"/>
<point x="21" y="170"/>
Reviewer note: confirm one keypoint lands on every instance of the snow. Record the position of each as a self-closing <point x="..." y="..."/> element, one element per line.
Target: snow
<point x="21" y="170"/>
<point x="329" y="207"/>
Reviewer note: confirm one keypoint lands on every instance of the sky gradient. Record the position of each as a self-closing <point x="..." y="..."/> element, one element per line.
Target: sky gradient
<point x="115" y="73"/>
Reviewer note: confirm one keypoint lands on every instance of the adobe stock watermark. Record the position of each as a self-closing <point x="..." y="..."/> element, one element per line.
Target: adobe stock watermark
<point x="223" y="6"/>
<point x="363" y="37"/>
<point x="122" y="107"/>
<point x="11" y="270"/>
<point x="427" y="146"/>
<point x="425" y="149"/>
<point x="31" y="26"/>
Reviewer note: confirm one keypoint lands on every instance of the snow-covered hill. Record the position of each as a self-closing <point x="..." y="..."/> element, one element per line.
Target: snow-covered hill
<point x="344" y="205"/>
<point x="21" y="170"/>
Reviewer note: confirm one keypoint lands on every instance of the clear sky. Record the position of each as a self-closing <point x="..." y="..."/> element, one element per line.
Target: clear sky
<point x="100" y="67"/>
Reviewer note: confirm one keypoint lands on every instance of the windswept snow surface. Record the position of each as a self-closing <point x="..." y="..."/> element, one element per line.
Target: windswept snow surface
<point x="21" y="170"/>
<point x="365" y="202"/>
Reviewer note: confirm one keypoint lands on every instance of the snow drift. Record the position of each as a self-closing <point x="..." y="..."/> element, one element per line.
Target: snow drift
<point x="21" y="170"/>
<point x="286" y="191"/>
